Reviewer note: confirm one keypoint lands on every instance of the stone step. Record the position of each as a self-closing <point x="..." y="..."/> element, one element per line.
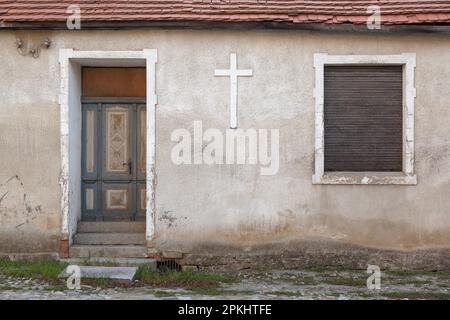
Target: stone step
<point x="110" y="227"/>
<point x="108" y="251"/>
<point x="110" y="238"/>
<point x="102" y="261"/>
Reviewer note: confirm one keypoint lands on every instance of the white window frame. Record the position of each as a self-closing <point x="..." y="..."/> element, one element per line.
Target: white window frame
<point x="407" y="177"/>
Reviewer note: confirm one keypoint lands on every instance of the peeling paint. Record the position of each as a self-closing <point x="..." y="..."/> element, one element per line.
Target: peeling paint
<point x="170" y="219"/>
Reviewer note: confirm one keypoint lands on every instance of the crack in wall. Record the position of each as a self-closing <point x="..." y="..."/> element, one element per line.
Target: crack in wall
<point x="16" y="202"/>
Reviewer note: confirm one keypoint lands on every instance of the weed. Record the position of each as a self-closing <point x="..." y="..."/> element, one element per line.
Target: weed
<point x="45" y="269"/>
<point x="186" y="279"/>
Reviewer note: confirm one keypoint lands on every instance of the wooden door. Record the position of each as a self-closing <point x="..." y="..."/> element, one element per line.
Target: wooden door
<point x="113" y="160"/>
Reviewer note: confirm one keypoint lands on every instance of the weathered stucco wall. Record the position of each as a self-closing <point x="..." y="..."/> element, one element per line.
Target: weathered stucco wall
<point x="29" y="149"/>
<point x="199" y="207"/>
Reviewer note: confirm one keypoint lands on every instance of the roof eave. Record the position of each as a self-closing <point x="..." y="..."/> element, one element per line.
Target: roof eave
<point x="342" y="27"/>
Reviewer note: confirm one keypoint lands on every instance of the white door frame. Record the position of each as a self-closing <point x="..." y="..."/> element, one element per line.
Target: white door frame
<point x="71" y="62"/>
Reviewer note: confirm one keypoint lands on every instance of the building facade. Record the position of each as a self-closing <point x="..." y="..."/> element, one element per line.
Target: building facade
<point x="235" y="145"/>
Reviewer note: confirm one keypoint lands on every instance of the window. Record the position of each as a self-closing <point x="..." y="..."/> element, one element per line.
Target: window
<point x="114" y="82"/>
<point x="364" y="119"/>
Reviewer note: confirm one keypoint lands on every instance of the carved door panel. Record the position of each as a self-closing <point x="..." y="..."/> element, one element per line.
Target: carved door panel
<point x="114" y="139"/>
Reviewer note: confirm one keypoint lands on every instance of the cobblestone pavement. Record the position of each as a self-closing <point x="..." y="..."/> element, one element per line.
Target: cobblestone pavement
<point x="341" y="285"/>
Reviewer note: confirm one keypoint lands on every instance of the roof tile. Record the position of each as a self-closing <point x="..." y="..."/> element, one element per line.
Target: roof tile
<point x="289" y="11"/>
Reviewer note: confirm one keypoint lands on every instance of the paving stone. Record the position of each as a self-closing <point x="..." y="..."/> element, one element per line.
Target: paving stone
<point x="252" y="285"/>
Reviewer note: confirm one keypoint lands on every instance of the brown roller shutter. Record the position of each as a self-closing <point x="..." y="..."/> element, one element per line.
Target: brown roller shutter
<point x="363" y="118"/>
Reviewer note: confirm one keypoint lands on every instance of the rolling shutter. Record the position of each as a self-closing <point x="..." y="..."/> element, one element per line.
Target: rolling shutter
<point x="363" y="118"/>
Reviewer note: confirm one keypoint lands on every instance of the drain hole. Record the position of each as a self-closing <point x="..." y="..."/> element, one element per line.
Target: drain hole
<point x="168" y="265"/>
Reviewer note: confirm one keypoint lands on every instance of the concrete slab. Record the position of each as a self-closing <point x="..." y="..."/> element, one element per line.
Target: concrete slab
<point x="108" y="227"/>
<point x="112" y="262"/>
<point x="114" y="273"/>
<point x="108" y="251"/>
<point x="110" y="239"/>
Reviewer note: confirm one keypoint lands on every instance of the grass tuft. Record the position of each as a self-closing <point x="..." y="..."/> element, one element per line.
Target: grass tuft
<point x="185" y="279"/>
<point x="45" y="269"/>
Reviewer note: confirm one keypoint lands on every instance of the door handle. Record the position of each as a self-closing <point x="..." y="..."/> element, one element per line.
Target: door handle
<point x="130" y="166"/>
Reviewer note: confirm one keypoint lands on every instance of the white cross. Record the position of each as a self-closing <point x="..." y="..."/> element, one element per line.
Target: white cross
<point x="233" y="73"/>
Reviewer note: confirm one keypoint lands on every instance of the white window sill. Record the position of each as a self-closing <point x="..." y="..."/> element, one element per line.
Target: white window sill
<point x="365" y="178"/>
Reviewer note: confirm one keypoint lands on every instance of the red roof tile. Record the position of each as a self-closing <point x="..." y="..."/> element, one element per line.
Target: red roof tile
<point x="290" y="11"/>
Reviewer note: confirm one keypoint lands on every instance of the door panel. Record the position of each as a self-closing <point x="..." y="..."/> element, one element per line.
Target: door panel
<point x="117" y="141"/>
<point x="91" y="202"/>
<point x="113" y="164"/>
<point x="141" y="200"/>
<point x="141" y="141"/>
<point x="118" y="200"/>
<point x="90" y="142"/>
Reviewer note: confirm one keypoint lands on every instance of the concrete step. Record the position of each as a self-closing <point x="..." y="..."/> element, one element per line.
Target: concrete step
<point x="110" y="238"/>
<point x="102" y="261"/>
<point x="110" y="227"/>
<point x="108" y="251"/>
